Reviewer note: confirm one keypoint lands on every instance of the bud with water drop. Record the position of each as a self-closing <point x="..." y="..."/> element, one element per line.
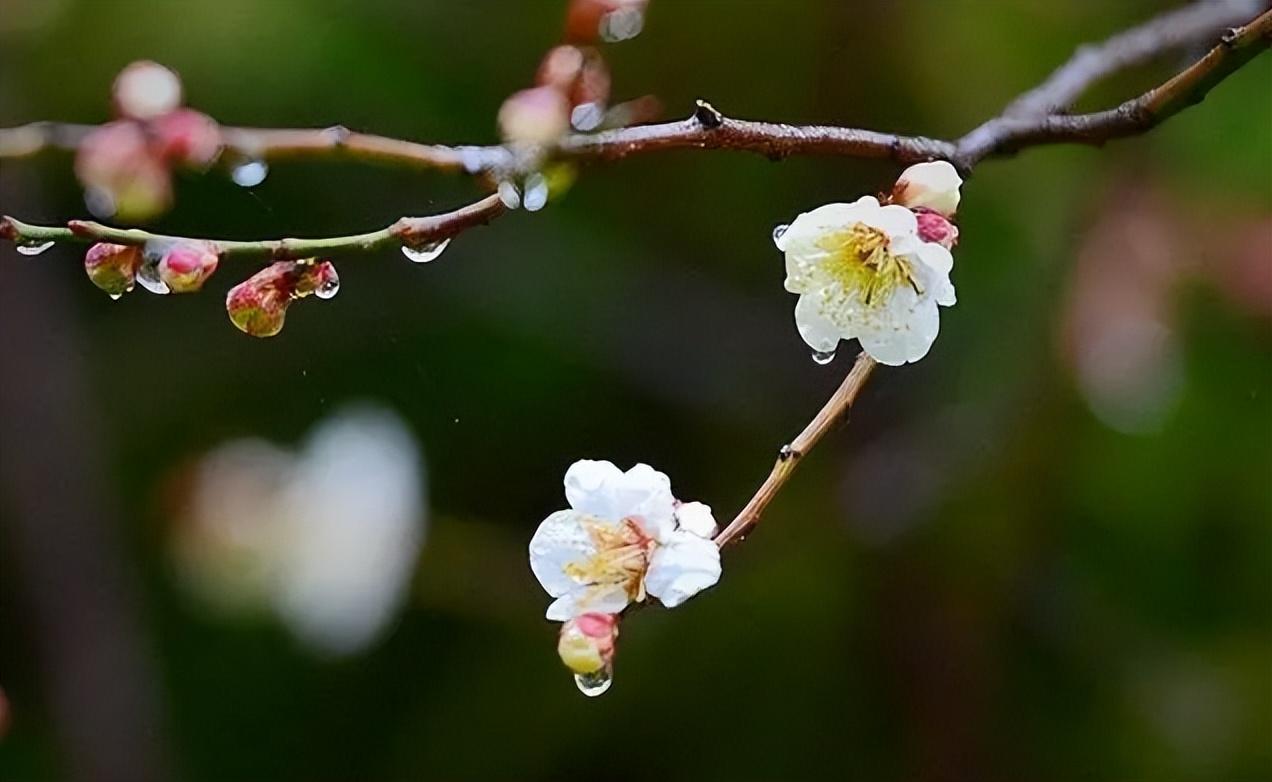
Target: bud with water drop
<point x="932" y="186"/>
<point x="539" y="115"/>
<point x="587" y="642"/>
<point x="185" y="266"/>
<point x="121" y="175"/>
<point x="187" y="137"/>
<point x="145" y="90"/>
<point x="113" y="267"/>
<point x="258" y="305"/>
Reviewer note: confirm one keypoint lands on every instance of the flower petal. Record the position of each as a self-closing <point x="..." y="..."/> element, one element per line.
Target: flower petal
<point x="587" y="485"/>
<point x="681" y="568"/>
<point x="936" y="278"/>
<point x="561" y="540"/>
<point x="896" y="221"/>
<point x="696" y="517"/>
<point x="583" y="599"/>
<point x="818" y="330"/>
<point x="645" y="493"/>
<point x="902" y="330"/>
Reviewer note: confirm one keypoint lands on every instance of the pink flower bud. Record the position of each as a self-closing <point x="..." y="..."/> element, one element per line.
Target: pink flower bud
<point x="145" y="90"/>
<point x="122" y="177"/>
<point x="936" y="229"/>
<point x="539" y="115"/>
<point x="258" y="305"/>
<point x="560" y="67"/>
<point x="185" y="266"/>
<point x="587" y="642"/>
<point x="187" y="137"/>
<point x="113" y="267"/>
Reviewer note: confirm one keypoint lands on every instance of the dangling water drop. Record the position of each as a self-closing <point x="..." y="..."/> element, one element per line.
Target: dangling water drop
<point x="426" y="252"/>
<point x="116" y="296"/>
<point x="328" y="289"/>
<point x="250" y="173"/>
<point x="536" y="193"/>
<point x="778" y="232"/>
<point x="823" y="357"/>
<point x="148" y="276"/>
<point x="100" y="202"/>
<point x="594" y="683"/>
<point x="510" y="195"/>
<point x="622" y="24"/>
<point x="33" y="248"/>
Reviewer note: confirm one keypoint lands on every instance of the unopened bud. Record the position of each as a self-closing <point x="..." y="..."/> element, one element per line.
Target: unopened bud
<point x="587" y="642"/>
<point x="185" y="266"/>
<point x="932" y="186"/>
<point x="146" y="90"/>
<point x="187" y="137"/>
<point x="934" y="228"/>
<point x="121" y="175"/>
<point x="539" y="115"/>
<point x="258" y="305"/>
<point x="113" y="267"/>
<point x="560" y="67"/>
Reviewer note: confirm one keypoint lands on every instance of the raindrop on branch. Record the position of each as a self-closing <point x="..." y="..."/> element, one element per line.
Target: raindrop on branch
<point x="510" y="195"/>
<point x="823" y="357"/>
<point x="33" y="248"/>
<point x="778" y="232"/>
<point x="594" y="683"/>
<point x="536" y="193"/>
<point x="426" y="252"/>
<point x="249" y="173"/>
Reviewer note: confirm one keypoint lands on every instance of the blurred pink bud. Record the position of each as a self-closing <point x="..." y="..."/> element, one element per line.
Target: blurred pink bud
<point x="587" y="642"/>
<point x="113" y="267"/>
<point x="560" y="67"/>
<point x="146" y="90"/>
<point x="187" y="137"/>
<point x="611" y="20"/>
<point x="539" y="115"/>
<point x="258" y="305"/>
<point x="933" y="227"/>
<point x="122" y="177"/>
<point x="185" y="266"/>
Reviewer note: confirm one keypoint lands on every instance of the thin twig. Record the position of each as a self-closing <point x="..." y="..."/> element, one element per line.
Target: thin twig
<point x="790" y="455"/>
<point x="408" y="231"/>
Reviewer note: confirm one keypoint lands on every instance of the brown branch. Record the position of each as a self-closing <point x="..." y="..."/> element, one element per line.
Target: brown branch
<point x="790" y="455"/>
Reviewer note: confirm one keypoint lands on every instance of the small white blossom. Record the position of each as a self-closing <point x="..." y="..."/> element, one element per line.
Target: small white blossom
<point x="863" y="272"/>
<point x="932" y="186"/>
<point x="623" y="537"/>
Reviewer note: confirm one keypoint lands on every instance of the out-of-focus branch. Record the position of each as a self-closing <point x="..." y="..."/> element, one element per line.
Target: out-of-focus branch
<point x="408" y="231"/>
<point x="791" y="454"/>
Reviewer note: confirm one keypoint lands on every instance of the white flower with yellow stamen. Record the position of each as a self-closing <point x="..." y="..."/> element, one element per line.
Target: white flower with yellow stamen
<point x="863" y="272"/>
<point x="625" y="536"/>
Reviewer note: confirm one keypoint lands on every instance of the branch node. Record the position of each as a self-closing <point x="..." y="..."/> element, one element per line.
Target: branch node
<point x="338" y="134"/>
<point x="786" y="453"/>
<point x="708" y="116"/>
<point x="1230" y="37"/>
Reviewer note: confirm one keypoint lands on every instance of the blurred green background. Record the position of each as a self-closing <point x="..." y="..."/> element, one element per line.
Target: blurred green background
<point x="1037" y="554"/>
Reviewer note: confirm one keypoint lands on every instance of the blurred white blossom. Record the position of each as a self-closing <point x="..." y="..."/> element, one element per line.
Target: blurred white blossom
<point x="327" y="539"/>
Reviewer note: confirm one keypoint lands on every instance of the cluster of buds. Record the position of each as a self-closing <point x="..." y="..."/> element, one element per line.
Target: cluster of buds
<point x="258" y="305"/>
<point x="572" y="86"/>
<point x="931" y="191"/>
<point x="126" y="165"/>
<point x="177" y="266"/>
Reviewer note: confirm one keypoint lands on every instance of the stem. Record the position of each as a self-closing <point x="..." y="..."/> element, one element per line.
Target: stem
<point x="835" y="408"/>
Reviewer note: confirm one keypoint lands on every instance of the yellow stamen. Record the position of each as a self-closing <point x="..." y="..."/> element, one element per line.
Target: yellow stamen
<point x="621" y="558"/>
<point x="860" y="260"/>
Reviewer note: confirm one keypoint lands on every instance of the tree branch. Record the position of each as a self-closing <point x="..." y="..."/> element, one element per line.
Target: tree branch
<point x="408" y="231"/>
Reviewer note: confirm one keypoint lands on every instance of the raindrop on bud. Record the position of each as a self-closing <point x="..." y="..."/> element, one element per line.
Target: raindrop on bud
<point x="148" y="275"/>
<point x="249" y="173"/>
<point x="33" y="248"/>
<point x="823" y="357"/>
<point x="587" y="116"/>
<point x="595" y="683"/>
<point x="622" y="24"/>
<point x="328" y="288"/>
<point x="536" y="193"/>
<point x="510" y="195"/>
<point x="425" y="253"/>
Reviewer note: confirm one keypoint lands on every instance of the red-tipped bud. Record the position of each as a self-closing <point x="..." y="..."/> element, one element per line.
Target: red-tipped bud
<point x="187" y="137"/>
<point x="122" y="176"/>
<point x="933" y="227"/>
<point x="113" y="267"/>
<point x="185" y="266"/>
<point x="146" y="90"/>
<point x="539" y="115"/>
<point x="258" y="305"/>
<point x="610" y="20"/>
<point x="587" y="642"/>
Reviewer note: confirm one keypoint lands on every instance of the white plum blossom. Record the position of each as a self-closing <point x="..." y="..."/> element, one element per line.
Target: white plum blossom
<point x="624" y="537"/>
<point x="863" y="271"/>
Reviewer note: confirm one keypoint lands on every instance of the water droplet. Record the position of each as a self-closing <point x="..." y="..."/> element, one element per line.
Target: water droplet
<point x="595" y="683"/>
<point x="778" y="232"/>
<point x="250" y="173"/>
<point x="472" y="159"/>
<point x="587" y="116"/>
<point x="33" y="248"/>
<point x="536" y="196"/>
<point x="622" y="24"/>
<point x="510" y="195"/>
<point x="148" y="275"/>
<point x="328" y="289"/>
<point x="100" y="202"/>
<point x="426" y="252"/>
<point x="823" y="357"/>
<point x="116" y="296"/>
